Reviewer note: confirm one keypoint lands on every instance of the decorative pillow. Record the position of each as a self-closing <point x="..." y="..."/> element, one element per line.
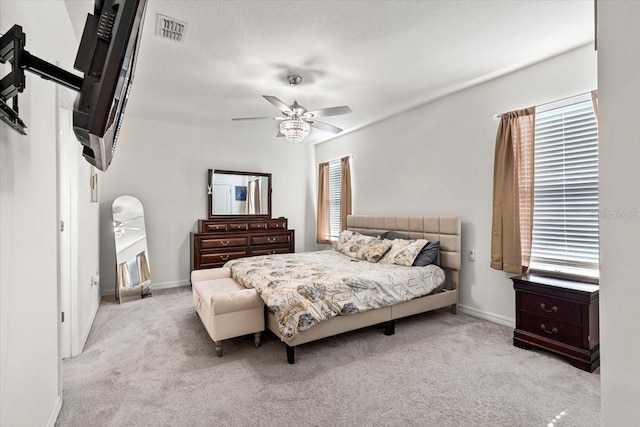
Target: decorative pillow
<point x="428" y="254"/>
<point x="404" y="252"/>
<point x="350" y="242"/>
<point x="374" y="250"/>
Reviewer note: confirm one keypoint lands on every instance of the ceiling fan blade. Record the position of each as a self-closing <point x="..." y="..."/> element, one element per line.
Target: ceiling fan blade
<point x="332" y="111"/>
<point x="256" y="118"/>
<point x="278" y="104"/>
<point x="325" y="127"/>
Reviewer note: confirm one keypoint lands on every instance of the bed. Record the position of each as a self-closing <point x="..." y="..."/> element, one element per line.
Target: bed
<point x="265" y="273"/>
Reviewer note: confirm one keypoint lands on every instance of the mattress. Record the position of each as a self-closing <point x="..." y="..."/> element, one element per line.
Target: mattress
<point x="304" y="289"/>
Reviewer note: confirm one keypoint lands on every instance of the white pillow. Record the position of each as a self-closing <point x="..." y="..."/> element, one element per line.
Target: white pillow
<point x="350" y="242"/>
<point x="404" y="252"/>
<point x="374" y="250"/>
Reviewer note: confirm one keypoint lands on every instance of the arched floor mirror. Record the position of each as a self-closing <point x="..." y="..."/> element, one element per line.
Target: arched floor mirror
<point x="132" y="260"/>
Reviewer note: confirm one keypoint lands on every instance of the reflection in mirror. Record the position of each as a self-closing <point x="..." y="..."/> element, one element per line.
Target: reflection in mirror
<point x="132" y="259"/>
<point x="239" y="193"/>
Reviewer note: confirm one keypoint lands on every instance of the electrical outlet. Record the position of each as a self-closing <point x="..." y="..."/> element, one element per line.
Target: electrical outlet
<point x="95" y="280"/>
<point x="472" y="255"/>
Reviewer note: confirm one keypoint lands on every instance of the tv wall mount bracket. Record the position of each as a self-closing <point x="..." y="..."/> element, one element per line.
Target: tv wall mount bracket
<point x="12" y="50"/>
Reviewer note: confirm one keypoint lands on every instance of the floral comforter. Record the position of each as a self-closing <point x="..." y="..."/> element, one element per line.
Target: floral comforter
<point x="304" y="289"/>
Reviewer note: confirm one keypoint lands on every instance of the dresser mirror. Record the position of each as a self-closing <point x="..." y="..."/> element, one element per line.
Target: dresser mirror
<point x="132" y="260"/>
<point x="238" y="194"/>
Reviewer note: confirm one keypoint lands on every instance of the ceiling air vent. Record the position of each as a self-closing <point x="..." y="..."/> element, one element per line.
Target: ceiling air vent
<point x="170" y="28"/>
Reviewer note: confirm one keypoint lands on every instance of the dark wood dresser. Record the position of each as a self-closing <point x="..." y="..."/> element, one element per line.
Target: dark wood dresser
<point x="560" y="316"/>
<point x="220" y="240"/>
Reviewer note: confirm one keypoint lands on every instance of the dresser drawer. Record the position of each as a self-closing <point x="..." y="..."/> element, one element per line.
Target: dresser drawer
<point x="271" y="240"/>
<point x="221" y="242"/>
<point x="221" y="257"/>
<point x="550" y="307"/>
<point x="271" y="251"/>
<point x="551" y="329"/>
<point x="258" y="225"/>
<point x="278" y="224"/>
<point x="238" y="226"/>
<point x="208" y="227"/>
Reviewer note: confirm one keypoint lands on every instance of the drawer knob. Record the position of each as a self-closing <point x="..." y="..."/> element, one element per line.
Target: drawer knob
<point x="551" y="310"/>
<point x="226" y="257"/>
<point x="224" y="242"/>
<point x="553" y="330"/>
<point x="271" y="239"/>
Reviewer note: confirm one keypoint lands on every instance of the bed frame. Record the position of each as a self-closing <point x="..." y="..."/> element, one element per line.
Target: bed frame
<point x="446" y="229"/>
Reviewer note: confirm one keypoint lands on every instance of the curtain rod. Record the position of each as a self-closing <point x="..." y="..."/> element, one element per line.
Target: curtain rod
<point x="498" y="116"/>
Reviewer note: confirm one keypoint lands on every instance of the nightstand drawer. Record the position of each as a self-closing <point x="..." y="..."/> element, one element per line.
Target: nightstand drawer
<point x="550" y="307"/>
<point x="551" y="329"/>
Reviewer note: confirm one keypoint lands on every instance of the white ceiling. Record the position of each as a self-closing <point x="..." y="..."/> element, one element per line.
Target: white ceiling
<point x="379" y="57"/>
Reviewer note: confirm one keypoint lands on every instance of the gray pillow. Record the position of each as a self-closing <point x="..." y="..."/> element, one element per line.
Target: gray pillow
<point x="372" y="233"/>
<point x="427" y="255"/>
<point x="391" y="235"/>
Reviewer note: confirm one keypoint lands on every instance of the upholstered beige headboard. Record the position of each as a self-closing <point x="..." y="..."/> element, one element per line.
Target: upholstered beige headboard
<point x="446" y="229"/>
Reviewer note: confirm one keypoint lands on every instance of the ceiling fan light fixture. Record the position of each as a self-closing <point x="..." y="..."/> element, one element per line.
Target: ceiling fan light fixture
<point x="294" y="129"/>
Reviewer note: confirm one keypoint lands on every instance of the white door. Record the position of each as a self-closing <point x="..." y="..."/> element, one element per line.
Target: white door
<point x="65" y="150"/>
<point x="222" y="198"/>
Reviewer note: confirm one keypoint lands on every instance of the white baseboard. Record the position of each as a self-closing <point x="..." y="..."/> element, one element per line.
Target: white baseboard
<point x="85" y="335"/>
<point x="53" y="417"/>
<point x="107" y="292"/>
<point x="167" y="285"/>
<point x="501" y="320"/>
<point x="163" y="285"/>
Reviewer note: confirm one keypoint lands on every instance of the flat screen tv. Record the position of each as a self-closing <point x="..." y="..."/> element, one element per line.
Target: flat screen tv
<point x="107" y="57"/>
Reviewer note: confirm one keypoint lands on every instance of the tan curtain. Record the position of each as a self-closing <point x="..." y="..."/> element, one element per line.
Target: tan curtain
<point x="323" y="231"/>
<point x="143" y="267"/>
<point x="512" y="223"/>
<point x="124" y="278"/>
<point x="248" y="206"/>
<point x="253" y="197"/>
<point x="345" y="191"/>
<point x="257" y="206"/>
<point x="594" y="101"/>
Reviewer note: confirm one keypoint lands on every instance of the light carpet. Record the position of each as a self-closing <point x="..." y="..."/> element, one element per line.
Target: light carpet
<point x="151" y="363"/>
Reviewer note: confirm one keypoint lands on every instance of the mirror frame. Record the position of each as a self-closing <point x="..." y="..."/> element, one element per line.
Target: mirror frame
<point x="211" y="215"/>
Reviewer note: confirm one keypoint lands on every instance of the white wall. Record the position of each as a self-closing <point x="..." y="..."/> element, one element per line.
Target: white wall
<point x="29" y="354"/>
<point x="619" y="90"/>
<point x="165" y="166"/>
<point x="438" y="160"/>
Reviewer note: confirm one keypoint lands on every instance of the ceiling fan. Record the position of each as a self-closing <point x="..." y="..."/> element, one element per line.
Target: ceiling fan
<point x="296" y="121"/>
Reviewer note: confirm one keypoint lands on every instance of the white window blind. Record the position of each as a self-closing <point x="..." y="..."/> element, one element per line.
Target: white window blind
<point x="565" y="215"/>
<point x="335" y="178"/>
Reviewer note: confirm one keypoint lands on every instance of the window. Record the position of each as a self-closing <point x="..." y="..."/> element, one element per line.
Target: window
<point x="335" y="177"/>
<point x="565" y="213"/>
<point x="334" y="198"/>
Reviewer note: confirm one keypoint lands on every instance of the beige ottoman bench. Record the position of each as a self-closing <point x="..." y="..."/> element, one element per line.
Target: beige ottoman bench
<point x="226" y="308"/>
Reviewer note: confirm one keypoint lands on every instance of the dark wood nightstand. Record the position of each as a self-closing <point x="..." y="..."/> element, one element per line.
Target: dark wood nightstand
<point x="560" y="316"/>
